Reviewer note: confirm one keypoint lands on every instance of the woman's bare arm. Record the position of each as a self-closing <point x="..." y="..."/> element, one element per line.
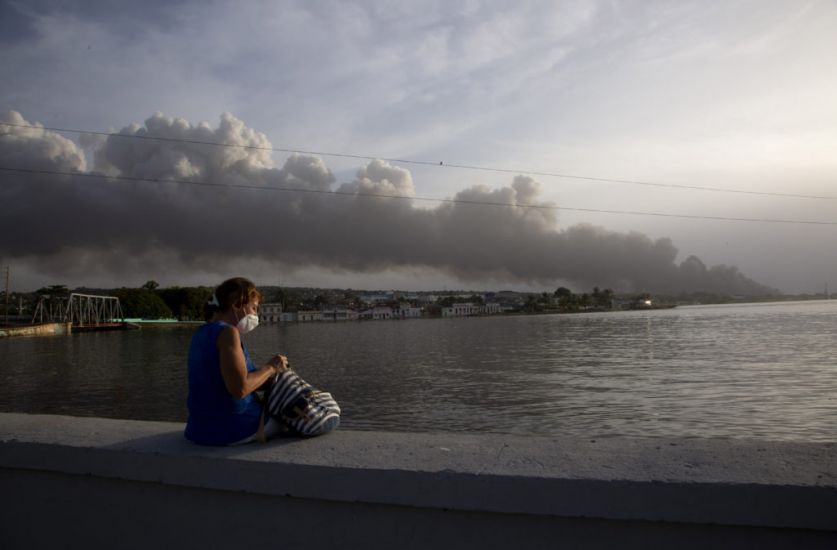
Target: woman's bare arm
<point x="238" y="381"/>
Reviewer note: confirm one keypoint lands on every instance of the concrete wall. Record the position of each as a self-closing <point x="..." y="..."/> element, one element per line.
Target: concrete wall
<point x="45" y="329"/>
<point x="137" y="484"/>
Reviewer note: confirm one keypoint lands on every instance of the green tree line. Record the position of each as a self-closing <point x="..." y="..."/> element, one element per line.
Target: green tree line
<point x="569" y="301"/>
<point x="184" y="303"/>
<point x="152" y="302"/>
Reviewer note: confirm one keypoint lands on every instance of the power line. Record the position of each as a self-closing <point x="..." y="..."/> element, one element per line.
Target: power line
<point x="411" y="198"/>
<point x="439" y="164"/>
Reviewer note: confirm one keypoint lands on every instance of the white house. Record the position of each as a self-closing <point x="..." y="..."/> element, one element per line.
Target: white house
<point x="309" y="316"/>
<point x="270" y="313"/>
<point x="461" y="310"/>
<point x="380" y="312"/>
<point x="407" y="311"/>
<point x="339" y="314"/>
<point x="490" y="308"/>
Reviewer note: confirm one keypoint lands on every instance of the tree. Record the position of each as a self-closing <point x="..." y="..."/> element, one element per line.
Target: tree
<point x="602" y="298"/>
<point x="562" y="292"/>
<point x="143" y="303"/>
<point x="187" y="303"/>
<point x="151" y="285"/>
<point x="350" y="298"/>
<point x="533" y="304"/>
<point x="447" y="301"/>
<point x="55" y="291"/>
<point x="278" y="296"/>
<point x="476" y="299"/>
<point x="568" y="302"/>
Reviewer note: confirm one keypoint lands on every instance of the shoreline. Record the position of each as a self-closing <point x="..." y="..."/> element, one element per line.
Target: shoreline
<point x="51" y="329"/>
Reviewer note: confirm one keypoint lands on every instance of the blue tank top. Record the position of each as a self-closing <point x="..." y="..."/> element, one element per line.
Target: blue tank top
<point x="215" y="416"/>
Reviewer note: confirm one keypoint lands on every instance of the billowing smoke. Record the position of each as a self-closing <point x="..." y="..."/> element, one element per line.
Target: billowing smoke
<point x="55" y="222"/>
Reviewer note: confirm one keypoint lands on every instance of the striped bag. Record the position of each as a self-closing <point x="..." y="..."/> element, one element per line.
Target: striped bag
<point x="298" y="404"/>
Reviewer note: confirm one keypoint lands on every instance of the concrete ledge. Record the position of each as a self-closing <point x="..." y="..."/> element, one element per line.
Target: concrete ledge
<point x="44" y="329"/>
<point x="765" y="488"/>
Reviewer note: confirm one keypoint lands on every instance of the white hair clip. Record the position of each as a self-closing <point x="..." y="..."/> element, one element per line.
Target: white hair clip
<point x="214" y="301"/>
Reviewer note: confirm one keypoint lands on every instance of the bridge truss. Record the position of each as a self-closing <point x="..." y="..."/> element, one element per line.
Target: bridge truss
<point x="87" y="309"/>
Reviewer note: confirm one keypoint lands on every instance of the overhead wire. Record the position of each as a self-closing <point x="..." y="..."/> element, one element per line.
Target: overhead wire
<point x="437" y="164"/>
<point x="408" y="197"/>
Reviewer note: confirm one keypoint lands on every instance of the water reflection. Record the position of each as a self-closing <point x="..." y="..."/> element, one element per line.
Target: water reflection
<point x="755" y="371"/>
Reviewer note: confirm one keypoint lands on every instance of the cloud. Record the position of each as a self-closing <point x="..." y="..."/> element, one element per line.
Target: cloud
<point x="301" y="219"/>
<point x="35" y="148"/>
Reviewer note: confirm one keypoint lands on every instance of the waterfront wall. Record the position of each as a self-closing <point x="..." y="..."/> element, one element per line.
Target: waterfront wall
<point x="136" y="484"/>
<point x="45" y="329"/>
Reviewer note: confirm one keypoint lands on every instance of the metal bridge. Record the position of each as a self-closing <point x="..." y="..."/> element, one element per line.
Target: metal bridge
<point x="86" y="309"/>
<point x="83" y="311"/>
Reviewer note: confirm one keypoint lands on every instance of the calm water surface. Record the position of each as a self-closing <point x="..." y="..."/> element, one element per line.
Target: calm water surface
<point x="765" y="371"/>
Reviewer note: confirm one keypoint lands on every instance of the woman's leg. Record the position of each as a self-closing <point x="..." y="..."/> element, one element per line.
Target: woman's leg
<point x="272" y="428"/>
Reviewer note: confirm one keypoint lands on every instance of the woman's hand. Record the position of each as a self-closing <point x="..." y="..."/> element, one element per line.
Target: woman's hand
<point x="238" y="381"/>
<point x="279" y="363"/>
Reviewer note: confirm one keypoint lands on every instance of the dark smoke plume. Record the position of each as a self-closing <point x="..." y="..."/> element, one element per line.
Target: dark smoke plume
<point x="53" y="222"/>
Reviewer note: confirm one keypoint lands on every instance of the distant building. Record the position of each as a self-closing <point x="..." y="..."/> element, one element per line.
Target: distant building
<point x="376" y="298"/>
<point x="377" y="313"/>
<point x="490" y="309"/>
<point x="426" y="299"/>
<point x="407" y="311"/>
<point x="461" y="310"/>
<point x="308" y="316"/>
<point x="508" y="298"/>
<point x="270" y="313"/>
<point x="288" y="317"/>
<point x="339" y="314"/>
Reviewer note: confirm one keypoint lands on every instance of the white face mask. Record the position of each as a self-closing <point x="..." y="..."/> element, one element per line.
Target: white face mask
<point x="248" y="323"/>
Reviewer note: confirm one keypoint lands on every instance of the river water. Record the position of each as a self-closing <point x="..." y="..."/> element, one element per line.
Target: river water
<point x="762" y="371"/>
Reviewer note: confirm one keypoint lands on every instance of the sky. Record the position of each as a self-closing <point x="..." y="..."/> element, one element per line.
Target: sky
<point x="734" y="95"/>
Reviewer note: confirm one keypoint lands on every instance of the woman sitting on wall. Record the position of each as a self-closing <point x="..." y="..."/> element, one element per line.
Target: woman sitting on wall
<point x="223" y="408"/>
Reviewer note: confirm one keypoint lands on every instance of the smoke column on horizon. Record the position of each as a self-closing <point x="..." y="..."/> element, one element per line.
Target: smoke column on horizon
<point x="113" y="225"/>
